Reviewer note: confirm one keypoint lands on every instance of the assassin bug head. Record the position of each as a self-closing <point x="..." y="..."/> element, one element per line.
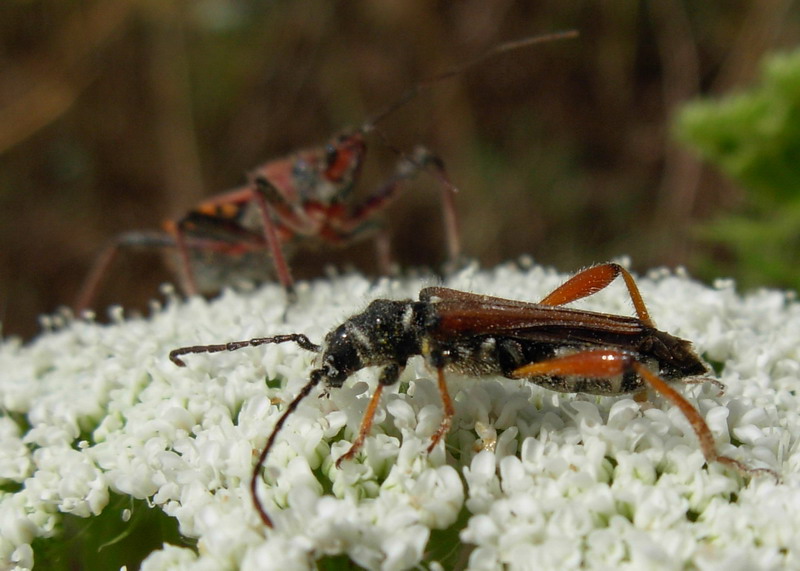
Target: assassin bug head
<point x="344" y="155"/>
<point x="323" y="175"/>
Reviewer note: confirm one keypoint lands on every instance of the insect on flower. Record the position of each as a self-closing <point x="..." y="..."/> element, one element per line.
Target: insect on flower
<point x="304" y="196"/>
<point x="559" y="348"/>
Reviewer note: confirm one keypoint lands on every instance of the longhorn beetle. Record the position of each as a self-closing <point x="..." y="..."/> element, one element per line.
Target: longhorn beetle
<point x="303" y="195"/>
<point x="562" y="349"/>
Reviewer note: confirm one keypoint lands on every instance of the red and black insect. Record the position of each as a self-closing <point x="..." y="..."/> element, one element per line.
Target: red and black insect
<point x="304" y="196"/>
<point x="562" y="349"/>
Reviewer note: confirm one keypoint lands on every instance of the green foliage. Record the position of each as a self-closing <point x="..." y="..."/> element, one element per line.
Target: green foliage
<point x="109" y="540"/>
<point x="754" y="137"/>
<point x="445" y="545"/>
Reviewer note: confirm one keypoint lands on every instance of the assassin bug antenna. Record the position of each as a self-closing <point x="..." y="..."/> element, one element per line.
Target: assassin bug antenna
<point x="427" y="84"/>
<point x="558" y="348"/>
<point x="247" y="232"/>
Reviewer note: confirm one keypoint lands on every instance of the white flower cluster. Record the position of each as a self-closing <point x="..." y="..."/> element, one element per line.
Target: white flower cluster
<point x="529" y="479"/>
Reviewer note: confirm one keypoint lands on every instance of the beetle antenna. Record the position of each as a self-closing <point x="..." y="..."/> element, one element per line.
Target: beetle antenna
<point x="299" y="338"/>
<point x="316" y="377"/>
<point x="426" y="84"/>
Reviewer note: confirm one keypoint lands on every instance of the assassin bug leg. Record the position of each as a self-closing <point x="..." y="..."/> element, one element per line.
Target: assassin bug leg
<point x="102" y="263"/>
<point x="409" y="166"/>
<point x="264" y="189"/>
<point x="213" y="221"/>
<point x="562" y="349"/>
<point x="304" y="198"/>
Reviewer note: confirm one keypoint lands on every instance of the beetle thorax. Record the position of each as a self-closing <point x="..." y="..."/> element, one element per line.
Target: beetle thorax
<point x="387" y="332"/>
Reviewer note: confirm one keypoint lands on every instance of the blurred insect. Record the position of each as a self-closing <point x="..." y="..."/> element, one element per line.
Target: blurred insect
<point x="306" y="195"/>
<point x="562" y="349"/>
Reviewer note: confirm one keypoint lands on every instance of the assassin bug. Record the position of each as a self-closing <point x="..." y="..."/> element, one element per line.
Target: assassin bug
<point x="305" y="195"/>
<point x="562" y="349"/>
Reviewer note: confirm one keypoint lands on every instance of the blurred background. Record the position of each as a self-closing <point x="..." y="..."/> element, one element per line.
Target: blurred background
<point x="118" y="114"/>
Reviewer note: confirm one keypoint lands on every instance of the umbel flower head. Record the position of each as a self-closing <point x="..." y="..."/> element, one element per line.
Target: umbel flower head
<point x="100" y="431"/>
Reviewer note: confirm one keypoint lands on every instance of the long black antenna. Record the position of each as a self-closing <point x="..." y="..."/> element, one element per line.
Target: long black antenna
<point x="426" y="84"/>
<point x="176" y="354"/>
<point x="316" y="377"/>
